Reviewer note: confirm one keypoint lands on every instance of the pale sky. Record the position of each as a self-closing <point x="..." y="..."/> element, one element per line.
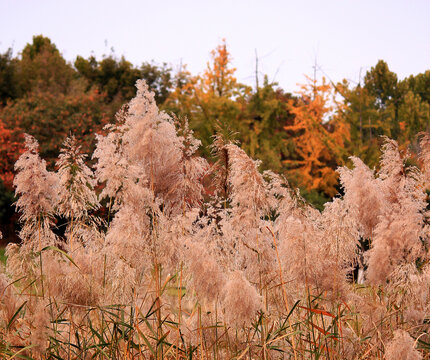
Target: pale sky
<point x="343" y="36"/>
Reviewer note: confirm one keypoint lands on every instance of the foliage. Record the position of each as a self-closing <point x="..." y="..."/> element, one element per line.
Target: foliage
<point x="116" y="78"/>
<point x="420" y="85"/>
<point x="210" y="98"/>
<point x="319" y="138"/>
<point x="382" y="84"/>
<point x="51" y="117"/>
<point x="9" y="85"/>
<point x="261" y="126"/>
<point x="11" y="147"/>
<point x="44" y="95"/>
<point x="413" y="117"/>
<point x="43" y="68"/>
<point x="384" y="106"/>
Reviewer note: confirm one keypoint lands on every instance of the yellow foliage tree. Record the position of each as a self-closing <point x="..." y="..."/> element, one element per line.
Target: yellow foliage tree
<point x="218" y="79"/>
<point x="319" y="135"/>
<point x="210" y="98"/>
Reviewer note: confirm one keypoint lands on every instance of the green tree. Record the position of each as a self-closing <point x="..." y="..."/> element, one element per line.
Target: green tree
<point x="383" y="106"/>
<point x="261" y="126"/>
<point x="414" y="117"/>
<point x="388" y="92"/>
<point x="159" y="79"/>
<point x="364" y="120"/>
<point x="117" y="78"/>
<point x="420" y="85"/>
<point x="43" y="68"/>
<point x="9" y="83"/>
<point x="382" y="84"/>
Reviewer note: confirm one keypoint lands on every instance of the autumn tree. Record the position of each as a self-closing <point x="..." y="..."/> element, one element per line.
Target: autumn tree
<point x="11" y="147"/>
<point x="51" y="117"/>
<point x="210" y="98"/>
<point x="215" y="102"/>
<point x="319" y="137"/>
<point x="218" y="79"/>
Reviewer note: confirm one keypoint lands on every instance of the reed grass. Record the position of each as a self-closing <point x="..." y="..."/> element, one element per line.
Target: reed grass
<point x="240" y="269"/>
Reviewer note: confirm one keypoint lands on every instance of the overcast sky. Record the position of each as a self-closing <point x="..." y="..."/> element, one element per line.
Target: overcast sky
<point x="343" y="36"/>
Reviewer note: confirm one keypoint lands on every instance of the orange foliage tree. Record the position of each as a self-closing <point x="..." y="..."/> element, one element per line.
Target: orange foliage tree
<point x="218" y="79"/>
<point x="319" y="136"/>
<point x="11" y="147"/>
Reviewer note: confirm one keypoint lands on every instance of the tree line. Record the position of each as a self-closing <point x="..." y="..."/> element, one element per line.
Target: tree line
<point x="305" y="135"/>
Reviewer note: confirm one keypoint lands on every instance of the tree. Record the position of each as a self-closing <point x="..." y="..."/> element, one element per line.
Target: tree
<point x="117" y="78"/>
<point x="261" y="126"/>
<point x="9" y="86"/>
<point x="388" y="92"/>
<point x="218" y="79"/>
<point x="214" y="97"/>
<point x="319" y="137"/>
<point x="420" y="85"/>
<point x="382" y="83"/>
<point x="11" y="147"/>
<point x="364" y="120"/>
<point x="43" y="68"/>
<point x="8" y="218"/>
<point x="159" y="79"/>
<point x="51" y="117"/>
<point x="384" y="106"/>
<point x="414" y="117"/>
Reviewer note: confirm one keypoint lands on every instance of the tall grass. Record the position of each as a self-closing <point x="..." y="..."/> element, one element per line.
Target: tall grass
<point x="194" y="261"/>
